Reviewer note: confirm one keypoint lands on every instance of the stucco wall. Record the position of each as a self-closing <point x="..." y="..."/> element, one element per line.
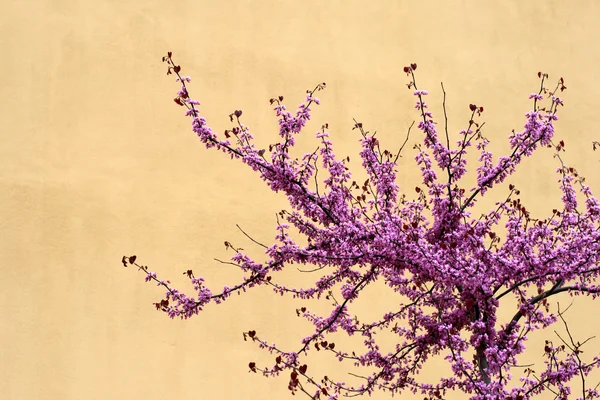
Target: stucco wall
<point x="97" y="161"/>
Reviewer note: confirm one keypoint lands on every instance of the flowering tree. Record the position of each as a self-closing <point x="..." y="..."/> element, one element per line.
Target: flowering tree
<point x="450" y="268"/>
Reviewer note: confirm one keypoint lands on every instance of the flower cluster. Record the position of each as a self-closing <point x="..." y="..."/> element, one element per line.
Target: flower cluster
<point x="449" y="267"/>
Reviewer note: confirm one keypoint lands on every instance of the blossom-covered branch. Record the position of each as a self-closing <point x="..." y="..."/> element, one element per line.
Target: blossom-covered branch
<point x="449" y="266"/>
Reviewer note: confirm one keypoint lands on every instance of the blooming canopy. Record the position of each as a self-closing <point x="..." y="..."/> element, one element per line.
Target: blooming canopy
<point x="450" y="268"/>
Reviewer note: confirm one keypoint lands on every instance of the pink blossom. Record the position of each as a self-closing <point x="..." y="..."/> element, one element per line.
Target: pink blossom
<point x="449" y="266"/>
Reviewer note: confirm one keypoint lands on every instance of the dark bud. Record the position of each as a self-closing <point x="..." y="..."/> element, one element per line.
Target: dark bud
<point x="177" y="68"/>
<point x="303" y="369"/>
<point x="413" y="66"/>
<point x="132" y="259"/>
<point x="237" y="113"/>
<point x="406" y="69"/>
<point x="472" y="107"/>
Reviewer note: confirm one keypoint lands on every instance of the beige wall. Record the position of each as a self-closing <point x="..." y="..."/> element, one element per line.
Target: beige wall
<point x="98" y="162"/>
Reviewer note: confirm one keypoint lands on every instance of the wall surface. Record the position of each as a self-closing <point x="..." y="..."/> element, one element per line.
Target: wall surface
<point x="97" y="161"/>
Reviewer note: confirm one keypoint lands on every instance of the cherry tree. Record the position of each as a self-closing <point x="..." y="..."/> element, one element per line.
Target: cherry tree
<point x="448" y="266"/>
